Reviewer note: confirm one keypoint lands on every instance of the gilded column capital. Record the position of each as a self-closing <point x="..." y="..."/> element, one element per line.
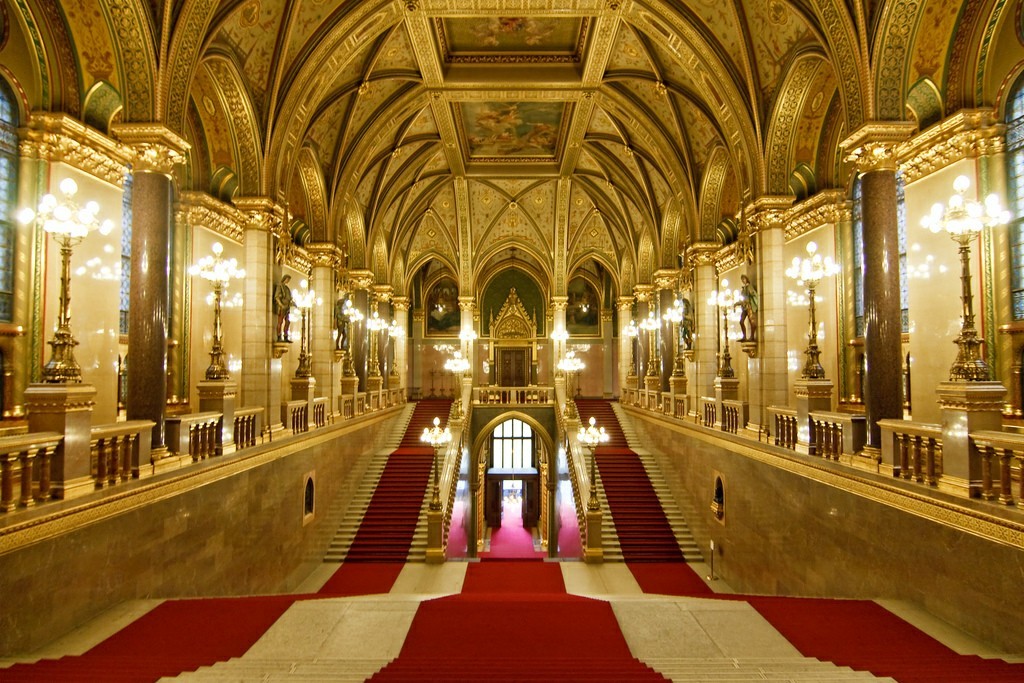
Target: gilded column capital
<point x="624" y="303"/>
<point x="201" y="209"/>
<point x="827" y="207"/>
<point x="56" y="137"/>
<point x="325" y="255"/>
<point x="606" y="315"/>
<point x="361" y="279"/>
<point x="467" y="303"/>
<point x="261" y="213"/>
<point x="875" y="145"/>
<point x="155" y="147"/>
<point x="559" y="303"/>
<point x="767" y="212"/>
<point x="643" y="292"/>
<point x="382" y="293"/>
<point x="703" y="253"/>
<point x="666" y="278"/>
<point x="400" y="303"/>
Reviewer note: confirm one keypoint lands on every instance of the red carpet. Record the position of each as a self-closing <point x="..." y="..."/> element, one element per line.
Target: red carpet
<point x="644" y="533"/>
<point x="865" y="636"/>
<point x="515" y="623"/>
<point x="362" y="578"/>
<point x="386" y="531"/>
<point x="513" y="577"/>
<point x="176" y="636"/>
<point x="669" y="578"/>
<point x="511" y="540"/>
<point x="569" y="542"/>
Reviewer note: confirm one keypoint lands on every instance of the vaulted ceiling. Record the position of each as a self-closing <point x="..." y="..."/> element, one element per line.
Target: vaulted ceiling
<point x="575" y="131"/>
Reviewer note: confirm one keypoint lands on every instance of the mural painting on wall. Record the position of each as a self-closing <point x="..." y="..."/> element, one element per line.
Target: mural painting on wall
<point x="443" y="316"/>
<point x="583" y="311"/>
<point x="521" y="130"/>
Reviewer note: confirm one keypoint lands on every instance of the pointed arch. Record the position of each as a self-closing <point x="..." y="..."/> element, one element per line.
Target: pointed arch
<point x="242" y="120"/>
<point x="311" y="176"/>
<point x="786" y="118"/>
<point x="711" y="194"/>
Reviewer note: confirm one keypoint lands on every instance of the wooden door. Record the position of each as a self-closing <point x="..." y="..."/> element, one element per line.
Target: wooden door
<point x="531" y="500"/>
<point x="513" y="367"/>
<point x="493" y="501"/>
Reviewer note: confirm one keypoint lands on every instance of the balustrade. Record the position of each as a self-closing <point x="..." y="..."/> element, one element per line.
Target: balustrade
<point x="784" y="423"/>
<point x="834" y="435"/>
<point x="195" y="434"/>
<point x="733" y="416"/>
<point x="999" y="451"/>
<point x="513" y="395"/>
<point x="295" y="414"/>
<point x="709" y="411"/>
<point x="320" y="411"/>
<point x="248" y="424"/>
<point x="914" y="449"/>
<point x="25" y="464"/>
<point x="114" y="451"/>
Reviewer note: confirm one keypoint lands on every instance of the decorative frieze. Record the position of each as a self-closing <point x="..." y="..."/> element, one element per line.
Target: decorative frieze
<point x="60" y="138"/>
<point x="155" y="147"/>
<point x="874" y="146"/>
<point x="828" y="207"/>
<point x="967" y="134"/>
<point x="200" y="209"/>
<point x="325" y="255"/>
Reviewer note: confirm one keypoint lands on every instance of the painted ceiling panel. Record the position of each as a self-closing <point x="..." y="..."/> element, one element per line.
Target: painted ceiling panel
<point x="629" y="54"/>
<point x="819" y="94"/>
<point x="776" y="29"/>
<point x="931" y="43"/>
<point x="247" y="32"/>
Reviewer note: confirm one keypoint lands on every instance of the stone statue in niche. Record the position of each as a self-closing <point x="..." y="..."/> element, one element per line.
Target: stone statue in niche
<point x="341" y="324"/>
<point x="283" y="304"/>
<point x="686" y="326"/>
<point x="748" y="305"/>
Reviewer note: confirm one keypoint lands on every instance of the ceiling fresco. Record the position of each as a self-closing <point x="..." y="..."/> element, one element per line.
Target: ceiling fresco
<point x="520" y="39"/>
<point x="519" y="131"/>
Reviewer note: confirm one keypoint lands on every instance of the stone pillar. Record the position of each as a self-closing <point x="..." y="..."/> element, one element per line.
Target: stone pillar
<point x="558" y="348"/>
<point x="706" y="318"/>
<point x="219" y="396"/>
<point x="626" y="351"/>
<point x="467" y="307"/>
<point x="811" y="395"/>
<point x="304" y="389"/>
<point x="873" y="149"/>
<point x="667" y="281"/>
<point x="768" y="377"/>
<point x="400" y="306"/>
<point x="156" y="149"/>
<point x="416" y="357"/>
<point x="261" y="359"/>
<point x="67" y="410"/>
<point x="966" y="407"/>
<point x="325" y="258"/>
<point x="608" y="358"/>
<point x="644" y="305"/>
<point x="361" y="281"/>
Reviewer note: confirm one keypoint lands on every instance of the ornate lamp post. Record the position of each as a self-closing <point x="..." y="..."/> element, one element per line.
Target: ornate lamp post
<point x="375" y="325"/>
<point x="304" y="298"/>
<point x="437" y="438"/>
<point x="809" y="272"/>
<point x="219" y="272"/>
<point x="69" y="223"/>
<point x="394" y="331"/>
<point x="963" y="219"/>
<point x="724" y="299"/>
<point x="676" y="315"/>
<point x="571" y="365"/>
<point x="632" y="331"/>
<point x="351" y="315"/>
<point x="457" y="365"/>
<point x="650" y="325"/>
<point x="590" y="437"/>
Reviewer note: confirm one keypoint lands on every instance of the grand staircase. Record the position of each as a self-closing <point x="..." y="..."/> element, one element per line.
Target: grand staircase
<point x="645" y="524"/>
<point x="382" y="522"/>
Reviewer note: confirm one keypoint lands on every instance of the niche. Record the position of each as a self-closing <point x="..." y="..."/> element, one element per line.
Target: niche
<point x="308" y="500"/>
<point x="718" y="500"/>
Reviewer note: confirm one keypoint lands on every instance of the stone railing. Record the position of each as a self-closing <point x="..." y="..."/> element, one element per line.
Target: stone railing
<point x="708" y="409"/>
<point x="25" y="461"/>
<point x="511" y="396"/>
<point x="321" y="404"/>
<point x="295" y="416"/>
<point x="834" y="435"/>
<point x="734" y="415"/>
<point x="248" y="424"/>
<point x="117" y="449"/>
<point x="195" y="434"/>
<point x="347" y="406"/>
<point x="914" y="449"/>
<point x="782" y="426"/>
<point x="998" y="452"/>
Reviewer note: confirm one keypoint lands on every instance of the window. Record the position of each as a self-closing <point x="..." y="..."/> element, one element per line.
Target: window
<point x="858" y="254"/>
<point x="126" y="250"/>
<point x="8" y="198"/>
<point x="512" y="446"/>
<point x="1015" y="166"/>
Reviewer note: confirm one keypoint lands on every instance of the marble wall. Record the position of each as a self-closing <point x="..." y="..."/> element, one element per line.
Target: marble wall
<point x="788" y="534"/>
<point x="235" y="536"/>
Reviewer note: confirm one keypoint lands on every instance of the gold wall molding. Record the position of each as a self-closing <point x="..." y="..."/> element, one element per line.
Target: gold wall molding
<point x="60" y="138"/>
<point x="964" y="519"/>
<point x="666" y="278"/>
<point x="873" y="146"/>
<point x="828" y="207"/>
<point x="154" y="147"/>
<point x="201" y="209"/>
<point x="967" y="134"/>
<point x="326" y="255"/>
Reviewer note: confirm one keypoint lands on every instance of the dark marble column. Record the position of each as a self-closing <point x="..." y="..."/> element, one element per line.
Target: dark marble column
<point x="883" y="396"/>
<point x="156" y="151"/>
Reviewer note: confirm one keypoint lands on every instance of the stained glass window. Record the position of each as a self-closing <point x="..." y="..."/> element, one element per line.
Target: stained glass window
<point x="8" y="198"/>
<point x="126" y="251"/>
<point x="1015" y="154"/>
<point x="512" y="446"/>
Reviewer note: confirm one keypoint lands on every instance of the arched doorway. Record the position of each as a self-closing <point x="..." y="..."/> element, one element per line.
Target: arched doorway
<point x="512" y="478"/>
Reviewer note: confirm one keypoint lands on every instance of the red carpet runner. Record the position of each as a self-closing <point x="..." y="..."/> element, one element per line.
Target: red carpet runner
<point x="386" y="531"/>
<point x="514" y="622"/>
<point x="644" y="533"/>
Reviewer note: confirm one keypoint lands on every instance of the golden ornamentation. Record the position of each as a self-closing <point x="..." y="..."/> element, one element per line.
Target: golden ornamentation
<point x="325" y="255"/>
<point x="155" y="147"/>
<point x="513" y="322"/>
<point x="199" y="208"/>
<point x="666" y="278"/>
<point x="967" y="134"/>
<point x="873" y="146"/>
<point x="828" y="207"/>
<point x="361" y="279"/>
<point x="643" y="293"/>
<point x="60" y="138"/>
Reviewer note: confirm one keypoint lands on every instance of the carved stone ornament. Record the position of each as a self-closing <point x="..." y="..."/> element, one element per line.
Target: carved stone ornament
<point x="513" y="322"/>
<point x="58" y="137"/>
<point x="361" y="279"/>
<point x="155" y="147"/>
<point x="199" y="208"/>
<point x="967" y="134"/>
<point x="325" y="255"/>
<point x="873" y="146"/>
<point x="666" y="278"/>
<point x="643" y="292"/>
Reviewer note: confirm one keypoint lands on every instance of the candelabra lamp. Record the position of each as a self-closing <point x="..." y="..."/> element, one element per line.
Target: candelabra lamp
<point x="219" y="272"/>
<point x="375" y="325"/>
<point x="350" y="315"/>
<point x="591" y="437"/>
<point x="437" y="438"/>
<point x="632" y="332"/>
<point x="571" y="365"/>
<point x="304" y="298"/>
<point x="68" y="223"/>
<point x="394" y="331"/>
<point x="457" y="365"/>
<point x="675" y="315"/>
<point x="650" y="325"/>
<point x="560" y="337"/>
<point x="809" y="272"/>
<point x="724" y="299"/>
<point x="963" y="219"/>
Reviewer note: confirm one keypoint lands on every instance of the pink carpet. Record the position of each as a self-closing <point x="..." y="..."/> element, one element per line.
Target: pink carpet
<point x="511" y="540"/>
